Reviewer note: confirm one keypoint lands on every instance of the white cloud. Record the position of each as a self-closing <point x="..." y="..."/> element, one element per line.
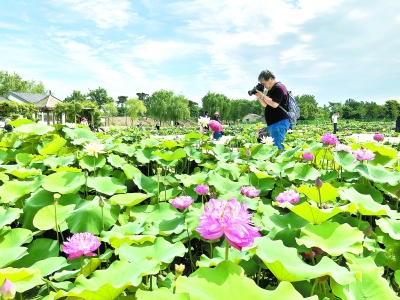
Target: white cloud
<point x="105" y="13"/>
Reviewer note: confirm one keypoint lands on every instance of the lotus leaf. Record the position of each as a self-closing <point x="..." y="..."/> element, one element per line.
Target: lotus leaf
<point x="37" y="253"/>
<point x="46" y="217"/>
<point x="10" y="255"/>
<point x="8" y="215"/>
<point x="303" y="172"/>
<point x="92" y="163"/>
<point x="106" y="185"/>
<point x="327" y="192"/>
<point x="228" y="279"/>
<point x="64" y="182"/>
<point x="116" y="160"/>
<point x="11" y="191"/>
<point x="378" y="174"/>
<point x="24" y="279"/>
<point x="54" y="146"/>
<point x="33" y="128"/>
<point x="391" y="227"/>
<point x="15" y="238"/>
<point x="159" y="294"/>
<point x="333" y="238"/>
<point x="286" y="265"/>
<point x="63" y="161"/>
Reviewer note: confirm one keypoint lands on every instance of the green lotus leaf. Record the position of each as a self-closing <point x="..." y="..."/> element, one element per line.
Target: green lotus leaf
<point x="144" y="156"/>
<point x="333" y="238"/>
<point x="262" y="152"/>
<point x="45" y="218"/>
<point x="234" y="255"/>
<point x="11" y="191"/>
<point x="161" y="250"/>
<point x="64" y="182"/>
<point x="54" y="146"/>
<point x="228" y="170"/>
<point x="79" y="133"/>
<point x="392" y="247"/>
<point x="10" y="255"/>
<point x="170" y="156"/>
<point x="93" y="215"/>
<point x="145" y="183"/>
<point x="63" y="161"/>
<point x="37" y="129"/>
<point x="149" y="143"/>
<point x="155" y="213"/>
<point x="194" y="154"/>
<point x="125" y="149"/>
<point x="366" y="205"/>
<point x="371" y="287"/>
<point x="130" y="171"/>
<point x="132" y="228"/>
<point x="50" y="265"/>
<point x="129" y="199"/>
<point x="345" y="160"/>
<point x="378" y="174"/>
<point x="286" y="265"/>
<point x="117" y="241"/>
<point x="23" y="158"/>
<point x="229" y="280"/>
<point x="159" y="294"/>
<point x="116" y="160"/>
<point x="193" y="136"/>
<point x="170" y="144"/>
<point x="288" y="154"/>
<point x="315" y="215"/>
<point x="106" y="185"/>
<point x="190" y="180"/>
<point x="24" y="279"/>
<point x="9" y="215"/>
<point x="91" y="163"/>
<point x="23" y="173"/>
<point x="391" y="227"/>
<point x="328" y="192"/>
<point x="277" y="169"/>
<point x="303" y="172"/>
<point x="67" y="169"/>
<point x="223" y="185"/>
<point x="110" y="283"/>
<point x="39" y="249"/>
<point x="15" y="238"/>
<point x="367" y="189"/>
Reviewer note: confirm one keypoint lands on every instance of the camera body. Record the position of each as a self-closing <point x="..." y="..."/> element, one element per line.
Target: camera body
<point x="258" y="87"/>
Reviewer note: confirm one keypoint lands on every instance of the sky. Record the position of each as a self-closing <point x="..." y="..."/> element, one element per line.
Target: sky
<point x="332" y="49"/>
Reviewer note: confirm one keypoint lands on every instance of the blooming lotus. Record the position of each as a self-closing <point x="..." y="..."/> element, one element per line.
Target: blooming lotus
<point x="83" y="243"/>
<point x="202" y="189"/>
<point x="7" y="290"/>
<point x="249" y="191"/>
<point x="308" y="156"/>
<point x="378" y="137"/>
<point x="267" y="140"/>
<point x="228" y="218"/>
<point x="94" y="148"/>
<point x="182" y="202"/>
<point x="215" y="126"/>
<point x="329" y="139"/>
<point x="343" y="147"/>
<point x="364" y="154"/>
<point x="288" y="196"/>
<point x="203" y="121"/>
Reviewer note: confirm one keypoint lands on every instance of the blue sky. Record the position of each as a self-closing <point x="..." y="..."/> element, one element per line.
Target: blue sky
<point x="332" y="49"/>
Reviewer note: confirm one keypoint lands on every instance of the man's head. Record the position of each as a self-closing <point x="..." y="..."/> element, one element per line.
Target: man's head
<point x="267" y="79"/>
<point x="216" y="113"/>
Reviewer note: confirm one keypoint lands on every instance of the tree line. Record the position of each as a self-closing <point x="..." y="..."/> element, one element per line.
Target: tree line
<point x="165" y="105"/>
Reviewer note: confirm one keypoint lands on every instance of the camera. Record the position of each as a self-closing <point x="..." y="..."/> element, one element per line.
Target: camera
<point x="258" y="87"/>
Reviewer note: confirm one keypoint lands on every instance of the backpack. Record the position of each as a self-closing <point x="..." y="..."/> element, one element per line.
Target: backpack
<point x="294" y="109"/>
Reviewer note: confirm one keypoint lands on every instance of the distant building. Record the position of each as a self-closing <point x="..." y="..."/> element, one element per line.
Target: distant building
<point x="45" y="103"/>
<point x="253" y="118"/>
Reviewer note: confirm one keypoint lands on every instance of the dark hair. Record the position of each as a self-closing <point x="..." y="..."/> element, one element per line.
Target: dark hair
<point x="266" y="74"/>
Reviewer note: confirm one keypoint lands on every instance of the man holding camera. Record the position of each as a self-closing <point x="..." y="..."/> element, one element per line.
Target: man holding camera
<point x="277" y="119"/>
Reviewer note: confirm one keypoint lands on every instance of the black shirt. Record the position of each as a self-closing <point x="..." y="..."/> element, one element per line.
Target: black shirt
<point x="8" y="127"/>
<point x="278" y="94"/>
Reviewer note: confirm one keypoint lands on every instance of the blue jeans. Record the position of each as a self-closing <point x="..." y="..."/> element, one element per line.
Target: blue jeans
<point x="278" y="131"/>
<point x="334" y="128"/>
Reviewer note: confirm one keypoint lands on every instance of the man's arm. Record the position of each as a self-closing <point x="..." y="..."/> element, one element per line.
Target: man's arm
<point x="265" y="100"/>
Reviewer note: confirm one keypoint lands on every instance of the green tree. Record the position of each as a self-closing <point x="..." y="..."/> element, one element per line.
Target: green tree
<point x="75" y="96"/>
<point x="110" y="110"/>
<point x="308" y="106"/>
<point x="135" y="107"/>
<point x="391" y="109"/>
<point x="194" y="108"/>
<point x="14" y="82"/>
<point x="145" y="98"/>
<point x="99" y="96"/>
<point x="216" y="102"/>
<point x="158" y="105"/>
<point x="372" y="110"/>
<point x="179" y="109"/>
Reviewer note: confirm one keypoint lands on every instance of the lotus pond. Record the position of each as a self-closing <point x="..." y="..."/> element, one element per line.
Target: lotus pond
<point x="122" y="215"/>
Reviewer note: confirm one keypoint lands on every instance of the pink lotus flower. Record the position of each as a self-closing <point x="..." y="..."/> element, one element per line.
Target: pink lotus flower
<point x="202" y="189"/>
<point x="182" y="202"/>
<point x="249" y="191"/>
<point x="228" y="218"/>
<point x="308" y="156"/>
<point x="288" y="196"/>
<point x="83" y="243"/>
<point x="7" y="290"/>
<point x="378" y="137"/>
<point x="215" y="126"/>
<point x="342" y="147"/>
<point x="329" y="139"/>
<point x="364" y="154"/>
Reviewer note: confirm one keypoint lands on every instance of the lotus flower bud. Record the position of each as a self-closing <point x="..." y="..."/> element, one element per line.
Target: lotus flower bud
<point x="159" y="171"/>
<point x="398" y="193"/>
<point x="179" y="269"/>
<point x="56" y="196"/>
<point x="368" y="231"/>
<point x="101" y="201"/>
<point x="248" y="152"/>
<point x="7" y="290"/>
<point x="318" y="183"/>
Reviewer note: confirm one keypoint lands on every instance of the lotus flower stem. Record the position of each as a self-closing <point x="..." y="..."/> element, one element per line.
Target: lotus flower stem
<point x="81" y="272"/>
<point x="259" y="275"/>
<point x="192" y="266"/>
<point x="313" y="287"/>
<point x="211" y="250"/>
<point x="226" y="250"/>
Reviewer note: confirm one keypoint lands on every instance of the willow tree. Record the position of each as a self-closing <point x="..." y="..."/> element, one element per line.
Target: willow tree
<point x="135" y="107"/>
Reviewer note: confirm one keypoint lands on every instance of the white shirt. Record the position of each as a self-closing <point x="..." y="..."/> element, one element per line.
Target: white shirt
<point x="334" y="118"/>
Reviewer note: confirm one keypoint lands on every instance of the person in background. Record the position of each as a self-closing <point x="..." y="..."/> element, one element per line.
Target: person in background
<point x="7" y="126"/>
<point x="277" y="119"/>
<point x="84" y="121"/>
<point x="335" y="117"/>
<point x="158" y="125"/>
<point x="216" y="117"/>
